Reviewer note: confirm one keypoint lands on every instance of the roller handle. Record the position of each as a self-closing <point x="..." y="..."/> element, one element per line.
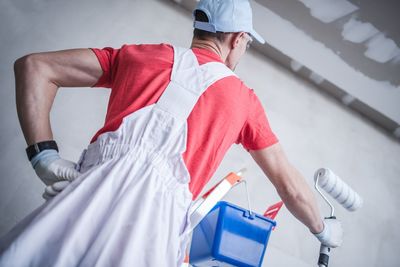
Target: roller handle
<point x="323" y="259"/>
<point x="342" y="193"/>
<point x="324" y="252"/>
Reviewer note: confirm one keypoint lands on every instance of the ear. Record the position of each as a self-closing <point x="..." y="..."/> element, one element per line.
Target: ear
<point x="235" y="41"/>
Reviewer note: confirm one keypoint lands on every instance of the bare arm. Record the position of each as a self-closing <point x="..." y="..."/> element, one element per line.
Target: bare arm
<point x="291" y="186"/>
<point x="37" y="79"/>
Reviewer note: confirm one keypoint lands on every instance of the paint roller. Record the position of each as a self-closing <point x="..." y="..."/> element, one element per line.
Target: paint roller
<point x="342" y="193"/>
<point x="337" y="189"/>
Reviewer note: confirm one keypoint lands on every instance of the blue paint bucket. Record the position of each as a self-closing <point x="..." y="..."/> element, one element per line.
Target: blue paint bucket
<point x="230" y="236"/>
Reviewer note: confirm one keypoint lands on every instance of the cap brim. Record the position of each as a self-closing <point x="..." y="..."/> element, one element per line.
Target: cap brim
<point x="257" y="36"/>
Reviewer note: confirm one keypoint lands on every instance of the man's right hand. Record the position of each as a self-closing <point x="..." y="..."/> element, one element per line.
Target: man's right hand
<point x="332" y="234"/>
<point x="52" y="190"/>
<point x="51" y="168"/>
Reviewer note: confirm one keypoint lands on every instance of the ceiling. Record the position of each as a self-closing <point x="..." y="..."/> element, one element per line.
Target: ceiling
<point x="377" y="21"/>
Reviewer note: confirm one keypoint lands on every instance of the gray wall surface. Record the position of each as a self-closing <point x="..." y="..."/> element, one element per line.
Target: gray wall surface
<point x="315" y="130"/>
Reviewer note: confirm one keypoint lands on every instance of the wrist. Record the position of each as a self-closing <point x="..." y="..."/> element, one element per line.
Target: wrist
<point x="45" y="157"/>
<point x="36" y="148"/>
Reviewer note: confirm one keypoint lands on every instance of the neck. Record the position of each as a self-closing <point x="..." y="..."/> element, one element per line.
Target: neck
<point x="211" y="46"/>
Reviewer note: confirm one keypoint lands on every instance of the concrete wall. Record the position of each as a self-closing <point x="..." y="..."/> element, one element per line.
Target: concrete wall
<point x="314" y="129"/>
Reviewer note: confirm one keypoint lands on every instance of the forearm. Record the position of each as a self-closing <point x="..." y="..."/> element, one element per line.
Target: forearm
<point x="35" y="94"/>
<point x="300" y="200"/>
<point x="291" y="186"/>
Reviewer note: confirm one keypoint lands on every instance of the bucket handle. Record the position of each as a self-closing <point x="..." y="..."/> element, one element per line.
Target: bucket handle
<point x="251" y="215"/>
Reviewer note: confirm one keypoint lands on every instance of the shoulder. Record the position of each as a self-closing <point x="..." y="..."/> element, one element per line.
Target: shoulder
<point x="236" y="86"/>
<point x="154" y="55"/>
<point x="147" y="48"/>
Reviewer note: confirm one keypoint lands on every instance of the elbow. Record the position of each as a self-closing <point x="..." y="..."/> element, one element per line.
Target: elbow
<point x="27" y="64"/>
<point x="23" y="63"/>
<point x="27" y="71"/>
<point x="19" y="65"/>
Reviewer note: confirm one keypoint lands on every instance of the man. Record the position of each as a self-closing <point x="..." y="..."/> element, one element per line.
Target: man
<point x="168" y="125"/>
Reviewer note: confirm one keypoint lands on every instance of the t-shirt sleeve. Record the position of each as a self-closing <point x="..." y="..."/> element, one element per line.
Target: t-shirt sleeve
<point x="256" y="132"/>
<point x="108" y="59"/>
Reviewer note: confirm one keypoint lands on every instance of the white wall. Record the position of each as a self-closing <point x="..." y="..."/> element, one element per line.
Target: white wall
<point x="314" y="129"/>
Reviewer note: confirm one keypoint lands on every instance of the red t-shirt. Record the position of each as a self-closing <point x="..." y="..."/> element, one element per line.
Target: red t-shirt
<point x="227" y="112"/>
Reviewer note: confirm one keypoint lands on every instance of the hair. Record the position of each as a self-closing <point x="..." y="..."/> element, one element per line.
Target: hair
<point x="205" y="35"/>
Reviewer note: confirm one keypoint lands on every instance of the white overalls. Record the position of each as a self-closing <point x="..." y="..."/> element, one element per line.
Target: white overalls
<point x="130" y="206"/>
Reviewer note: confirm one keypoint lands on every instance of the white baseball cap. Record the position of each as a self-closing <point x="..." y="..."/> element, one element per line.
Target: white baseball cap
<point x="227" y="16"/>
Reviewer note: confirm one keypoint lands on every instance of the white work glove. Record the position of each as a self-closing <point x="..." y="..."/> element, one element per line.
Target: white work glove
<point x="54" y="171"/>
<point x="52" y="190"/>
<point x="332" y="234"/>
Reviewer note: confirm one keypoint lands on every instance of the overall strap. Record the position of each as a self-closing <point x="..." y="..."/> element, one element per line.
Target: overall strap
<point x="188" y="83"/>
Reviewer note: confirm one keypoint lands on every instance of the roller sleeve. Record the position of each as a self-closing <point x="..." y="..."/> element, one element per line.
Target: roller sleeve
<point x="338" y="189"/>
